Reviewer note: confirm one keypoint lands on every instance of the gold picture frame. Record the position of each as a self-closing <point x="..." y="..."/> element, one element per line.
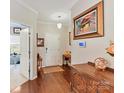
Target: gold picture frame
<point x="89" y="24"/>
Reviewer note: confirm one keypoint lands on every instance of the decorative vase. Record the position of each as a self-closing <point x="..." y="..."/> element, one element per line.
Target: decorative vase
<point x="100" y="63"/>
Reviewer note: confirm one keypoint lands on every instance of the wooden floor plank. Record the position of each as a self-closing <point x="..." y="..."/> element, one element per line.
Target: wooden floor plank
<point x="48" y="83"/>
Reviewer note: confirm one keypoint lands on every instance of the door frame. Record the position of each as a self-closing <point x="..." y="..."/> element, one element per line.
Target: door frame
<point x="30" y="49"/>
<point x="45" y="55"/>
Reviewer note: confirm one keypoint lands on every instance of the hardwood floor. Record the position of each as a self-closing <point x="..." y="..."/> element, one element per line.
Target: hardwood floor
<point x="52" y="69"/>
<point x="48" y="83"/>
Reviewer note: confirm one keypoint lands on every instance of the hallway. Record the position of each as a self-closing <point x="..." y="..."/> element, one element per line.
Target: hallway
<point x="63" y="32"/>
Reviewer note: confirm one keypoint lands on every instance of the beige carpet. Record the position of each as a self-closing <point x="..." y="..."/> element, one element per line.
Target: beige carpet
<point x="52" y="69"/>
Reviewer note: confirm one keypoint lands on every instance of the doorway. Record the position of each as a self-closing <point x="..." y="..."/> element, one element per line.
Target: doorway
<point x="19" y="54"/>
<point x="52" y="49"/>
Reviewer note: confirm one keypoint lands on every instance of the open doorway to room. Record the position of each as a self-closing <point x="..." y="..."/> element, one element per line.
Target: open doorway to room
<point x="19" y="54"/>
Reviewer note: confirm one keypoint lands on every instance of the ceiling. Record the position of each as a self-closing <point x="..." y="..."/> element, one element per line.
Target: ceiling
<point x="49" y="10"/>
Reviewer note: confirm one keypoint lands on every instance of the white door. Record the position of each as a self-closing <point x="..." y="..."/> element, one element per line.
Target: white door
<point x="51" y="50"/>
<point x="24" y="50"/>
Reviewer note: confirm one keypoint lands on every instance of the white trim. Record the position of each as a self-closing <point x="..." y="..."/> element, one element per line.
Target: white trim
<point x="73" y="4"/>
<point x="60" y="64"/>
<point x="31" y="54"/>
<point x="53" y="65"/>
<point x="31" y="59"/>
<point x="43" y="66"/>
<point x="27" y="6"/>
<point x="34" y="77"/>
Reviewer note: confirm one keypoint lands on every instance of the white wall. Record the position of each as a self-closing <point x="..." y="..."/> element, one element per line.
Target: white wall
<point x="44" y="28"/>
<point x="23" y="14"/>
<point x="95" y="46"/>
<point x="14" y="44"/>
<point x="14" y="39"/>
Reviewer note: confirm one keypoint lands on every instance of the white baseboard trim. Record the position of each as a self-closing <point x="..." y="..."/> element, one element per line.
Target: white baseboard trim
<point x="43" y="66"/>
<point x="53" y="65"/>
<point x="60" y="65"/>
<point x="34" y="77"/>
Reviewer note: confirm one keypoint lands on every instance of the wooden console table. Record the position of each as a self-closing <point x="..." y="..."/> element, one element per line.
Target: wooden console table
<point x="84" y="78"/>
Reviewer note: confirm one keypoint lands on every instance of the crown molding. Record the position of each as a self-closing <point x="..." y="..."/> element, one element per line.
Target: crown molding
<point x="27" y="6"/>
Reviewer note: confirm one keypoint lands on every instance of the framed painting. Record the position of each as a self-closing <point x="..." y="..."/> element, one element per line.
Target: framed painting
<point x="16" y="30"/>
<point x="89" y="24"/>
<point x="40" y="42"/>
